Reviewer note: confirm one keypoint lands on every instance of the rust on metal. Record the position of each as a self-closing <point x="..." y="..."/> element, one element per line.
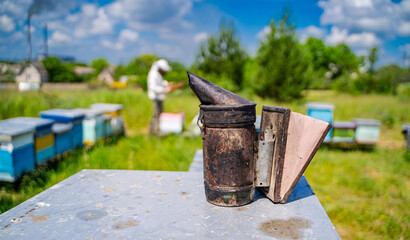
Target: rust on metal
<point x="227" y="126"/>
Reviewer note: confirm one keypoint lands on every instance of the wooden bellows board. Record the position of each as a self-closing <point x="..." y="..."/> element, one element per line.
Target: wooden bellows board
<point x="296" y="137"/>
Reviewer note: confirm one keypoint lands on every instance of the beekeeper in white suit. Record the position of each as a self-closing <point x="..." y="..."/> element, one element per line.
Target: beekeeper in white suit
<point x="157" y="90"/>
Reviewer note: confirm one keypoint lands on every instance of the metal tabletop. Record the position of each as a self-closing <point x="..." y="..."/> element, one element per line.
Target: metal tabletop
<point x="125" y="204"/>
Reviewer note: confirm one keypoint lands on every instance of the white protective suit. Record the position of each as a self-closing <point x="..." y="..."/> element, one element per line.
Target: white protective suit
<point x="156" y="84"/>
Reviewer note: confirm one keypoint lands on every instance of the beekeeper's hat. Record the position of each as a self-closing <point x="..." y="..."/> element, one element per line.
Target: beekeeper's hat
<point x="163" y="65"/>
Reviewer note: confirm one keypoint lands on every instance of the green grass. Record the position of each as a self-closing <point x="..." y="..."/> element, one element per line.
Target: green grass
<point x="364" y="192"/>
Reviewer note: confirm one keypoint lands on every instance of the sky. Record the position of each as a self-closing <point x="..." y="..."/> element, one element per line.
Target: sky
<point x="120" y="30"/>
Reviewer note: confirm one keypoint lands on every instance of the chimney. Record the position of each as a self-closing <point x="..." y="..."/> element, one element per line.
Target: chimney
<point x="45" y="32"/>
<point x="28" y="38"/>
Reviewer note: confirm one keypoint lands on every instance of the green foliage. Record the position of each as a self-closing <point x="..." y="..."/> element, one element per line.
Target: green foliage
<point x="222" y="56"/>
<point x="178" y="72"/>
<point x="403" y="90"/>
<point x="283" y="67"/>
<point x="319" y="53"/>
<point x="322" y="57"/>
<point x="99" y="64"/>
<point x="7" y="77"/>
<point x="59" y="71"/>
<point x="140" y="67"/>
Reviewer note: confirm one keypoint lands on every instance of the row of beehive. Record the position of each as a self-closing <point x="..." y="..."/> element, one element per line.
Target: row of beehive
<point x="27" y="141"/>
<point x="359" y="131"/>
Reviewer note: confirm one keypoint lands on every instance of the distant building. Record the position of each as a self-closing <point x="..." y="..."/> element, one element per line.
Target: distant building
<point x="106" y="76"/>
<point x="123" y="79"/>
<point x="8" y="67"/>
<point x="82" y="71"/>
<point x="31" y="76"/>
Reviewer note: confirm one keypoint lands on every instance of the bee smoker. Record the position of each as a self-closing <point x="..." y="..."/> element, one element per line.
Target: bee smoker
<point x="236" y="158"/>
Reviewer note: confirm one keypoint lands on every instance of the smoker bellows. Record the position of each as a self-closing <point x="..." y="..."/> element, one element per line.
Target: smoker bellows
<point x="237" y="158"/>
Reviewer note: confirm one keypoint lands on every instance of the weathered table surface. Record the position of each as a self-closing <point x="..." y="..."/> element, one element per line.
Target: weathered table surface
<point x="121" y="204"/>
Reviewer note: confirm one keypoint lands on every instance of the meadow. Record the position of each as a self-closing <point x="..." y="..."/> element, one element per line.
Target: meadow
<point x="364" y="192"/>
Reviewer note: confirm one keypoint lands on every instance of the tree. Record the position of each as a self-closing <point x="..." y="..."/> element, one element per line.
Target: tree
<point x="283" y="68"/>
<point x="372" y="58"/>
<point x="222" y="56"/>
<point x="59" y="71"/>
<point x="99" y="64"/>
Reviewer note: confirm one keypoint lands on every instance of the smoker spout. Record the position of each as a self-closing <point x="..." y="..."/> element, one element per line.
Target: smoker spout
<point x="211" y="94"/>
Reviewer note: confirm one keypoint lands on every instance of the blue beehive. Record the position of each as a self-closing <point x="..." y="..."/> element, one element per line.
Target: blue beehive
<point x="68" y="116"/>
<point x="367" y="131"/>
<point x="115" y="110"/>
<point x="107" y="125"/>
<point x="63" y="137"/>
<point x="16" y="150"/>
<point x="93" y="125"/>
<point x="322" y="111"/>
<point x="43" y="136"/>
<point x="343" y="132"/>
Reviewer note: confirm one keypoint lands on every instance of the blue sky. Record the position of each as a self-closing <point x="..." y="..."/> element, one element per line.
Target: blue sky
<point x="119" y="30"/>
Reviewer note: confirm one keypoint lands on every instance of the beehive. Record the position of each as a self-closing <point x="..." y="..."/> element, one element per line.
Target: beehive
<point x="171" y="123"/>
<point x="107" y="125"/>
<point x="367" y="131"/>
<point x="43" y="136"/>
<point x="93" y="125"/>
<point x="115" y="110"/>
<point x="322" y="111"/>
<point x="63" y="137"/>
<point x="16" y="150"/>
<point x="343" y="132"/>
<point x="68" y="116"/>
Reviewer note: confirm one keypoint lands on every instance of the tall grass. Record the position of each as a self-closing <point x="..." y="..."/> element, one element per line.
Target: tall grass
<point x="364" y="192"/>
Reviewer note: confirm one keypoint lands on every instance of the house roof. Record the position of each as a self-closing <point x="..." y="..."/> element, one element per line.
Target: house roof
<point x="79" y="70"/>
<point x="38" y="65"/>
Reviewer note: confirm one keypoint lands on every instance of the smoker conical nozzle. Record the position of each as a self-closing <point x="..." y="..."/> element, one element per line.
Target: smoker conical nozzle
<point x="211" y="94"/>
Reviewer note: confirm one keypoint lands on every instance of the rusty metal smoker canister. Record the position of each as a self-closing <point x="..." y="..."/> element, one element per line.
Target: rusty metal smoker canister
<point x="227" y="126"/>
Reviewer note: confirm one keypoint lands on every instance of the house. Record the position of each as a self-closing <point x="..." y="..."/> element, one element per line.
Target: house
<point x="82" y="71"/>
<point x="106" y="76"/>
<point x="31" y="76"/>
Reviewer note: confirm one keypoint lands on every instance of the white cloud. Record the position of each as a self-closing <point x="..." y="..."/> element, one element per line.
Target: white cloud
<point x="264" y="32"/>
<point x="153" y="15"/>
<point x="311" y="31"/>
<point x="102" y="24"/>
<point x="363" y="39"/>
<point x="404" y="28"/>
<point x="125" y="37"/>
<point x="128" y="35"/>
<point x="59" y="37"/>
<point x="200" y="37"/>
<point x="17" y="36"/>
<point x="17" y="9"/>
<point x="108" y="44"/>
<point x="6" y="24"/>
<point x="382" y="17"/>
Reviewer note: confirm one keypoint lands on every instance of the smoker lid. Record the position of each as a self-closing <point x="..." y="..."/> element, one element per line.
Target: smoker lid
<point x="320" y="106"/>
<point x="37" y="123"/>
<point x="210" y="94"/>
<point x="62" y="115"/>
<point x="227" y="107"/>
